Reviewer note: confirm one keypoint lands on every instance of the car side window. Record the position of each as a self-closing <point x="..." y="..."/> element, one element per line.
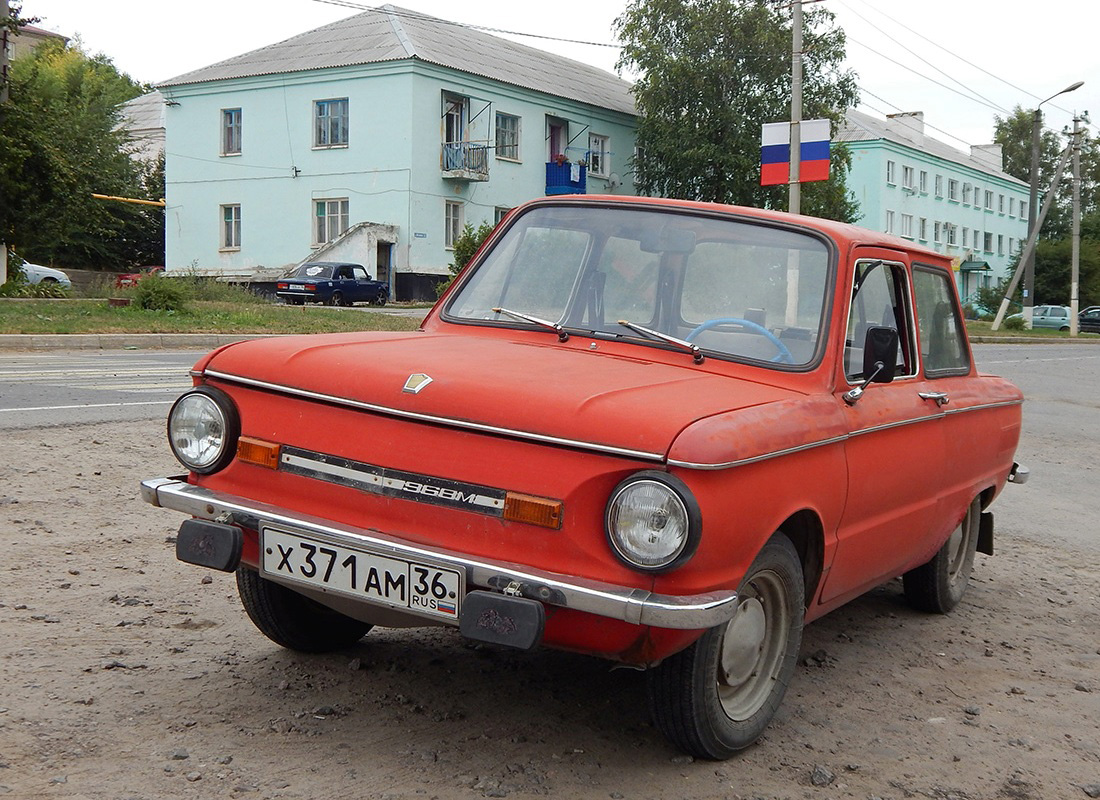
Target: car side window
<point x="360" y="274"/>
<point x="879" y="300"/>
<point x="942" y="342"/>
<point x="342" y="274"/>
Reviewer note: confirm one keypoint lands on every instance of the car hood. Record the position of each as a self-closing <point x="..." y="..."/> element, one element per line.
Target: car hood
<point x="552" y="391"/>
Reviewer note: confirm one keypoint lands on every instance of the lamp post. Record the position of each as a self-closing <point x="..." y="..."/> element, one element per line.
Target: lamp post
<point x="1029" y="267"/>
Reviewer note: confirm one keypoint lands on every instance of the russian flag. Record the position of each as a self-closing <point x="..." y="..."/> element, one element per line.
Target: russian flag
<point x="814" y="165"/>
<point x="775" y="152"/>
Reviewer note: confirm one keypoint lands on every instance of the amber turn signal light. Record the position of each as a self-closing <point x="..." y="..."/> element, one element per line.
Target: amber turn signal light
<point x="258" y="452"/>
<point x="533" y="510"/>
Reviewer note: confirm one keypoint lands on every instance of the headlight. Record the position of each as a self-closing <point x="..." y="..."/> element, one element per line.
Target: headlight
<point x="653" y="521"/>
<point x="203" y="429"/>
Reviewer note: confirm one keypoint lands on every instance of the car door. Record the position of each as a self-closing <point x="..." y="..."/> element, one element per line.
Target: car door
<point x="895" y="446"/>
<point x="364" y="286"/>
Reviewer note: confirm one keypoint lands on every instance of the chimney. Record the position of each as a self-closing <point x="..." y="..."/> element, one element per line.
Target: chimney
<point x="908" y="123"/>
<point x="989" y="154"/>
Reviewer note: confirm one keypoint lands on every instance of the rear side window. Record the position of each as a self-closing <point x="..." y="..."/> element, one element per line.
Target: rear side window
<point x="942" y="340"/>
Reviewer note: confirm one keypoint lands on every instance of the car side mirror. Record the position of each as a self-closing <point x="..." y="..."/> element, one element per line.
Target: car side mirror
<point x="880" y="355"/>
<point x="880" y="358"/>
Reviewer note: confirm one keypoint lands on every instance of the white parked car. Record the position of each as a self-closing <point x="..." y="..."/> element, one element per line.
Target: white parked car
<point x="38" y="274"/>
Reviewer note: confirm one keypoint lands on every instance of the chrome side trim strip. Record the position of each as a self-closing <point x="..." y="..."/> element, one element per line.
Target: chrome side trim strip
<point x="627" y="603"/>
<point x="436" y="420"/>
<point x="763" y="457"/>
<point x="984" y="407"/>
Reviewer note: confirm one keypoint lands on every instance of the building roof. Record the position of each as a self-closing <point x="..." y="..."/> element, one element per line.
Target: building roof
<point x="390" y="33"/>
<point x="908" y="130"/>
<point x="143" y="119"/>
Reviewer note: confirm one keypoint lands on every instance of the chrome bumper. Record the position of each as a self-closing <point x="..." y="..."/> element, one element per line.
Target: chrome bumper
<point x="636" y="606"/>
<point x="1018" y="474"/>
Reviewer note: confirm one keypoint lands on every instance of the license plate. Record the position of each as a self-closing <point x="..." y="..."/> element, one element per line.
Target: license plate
<point x="421" y="587"/>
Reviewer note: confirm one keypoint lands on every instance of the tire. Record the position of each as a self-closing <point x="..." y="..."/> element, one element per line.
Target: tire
<point x="293" y="620"/>
<point x="54" y="280"/>
<point x="1064" y="328"/>
<point x="337" y="299"/>
<point x="716" y="698"/>
<point x="380" y="298"/>
<point x="938" y="585"/>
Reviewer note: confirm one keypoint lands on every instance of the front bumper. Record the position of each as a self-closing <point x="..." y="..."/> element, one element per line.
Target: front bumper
<point x="626" y="603"/>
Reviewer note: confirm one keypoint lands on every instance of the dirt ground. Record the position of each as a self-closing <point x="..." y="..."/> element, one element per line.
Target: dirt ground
<point x="127" y="674"/>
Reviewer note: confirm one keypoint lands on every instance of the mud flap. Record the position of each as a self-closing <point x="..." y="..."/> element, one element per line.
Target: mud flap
<point x="985" y="533"/>
<point x="210" y="544"/>
<point x="499" y="619"/>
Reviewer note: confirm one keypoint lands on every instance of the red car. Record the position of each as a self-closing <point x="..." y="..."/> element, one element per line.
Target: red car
<point x="131" y="278"/>
<point x="659" y="432"/>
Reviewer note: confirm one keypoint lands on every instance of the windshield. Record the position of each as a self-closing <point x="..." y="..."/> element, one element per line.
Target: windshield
<point x="732" y="288"/>
<point x="313" y="272"/>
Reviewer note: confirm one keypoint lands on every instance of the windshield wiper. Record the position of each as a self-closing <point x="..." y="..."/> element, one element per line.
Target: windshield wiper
<point x="696" y="353"/>
<point x="554" y="326"/>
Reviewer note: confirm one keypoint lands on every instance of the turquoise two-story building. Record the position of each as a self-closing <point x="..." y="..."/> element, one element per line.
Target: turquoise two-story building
<point x="376" y="139"/>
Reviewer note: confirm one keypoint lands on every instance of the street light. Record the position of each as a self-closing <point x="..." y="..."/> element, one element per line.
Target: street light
<point x="1029" y="267"/>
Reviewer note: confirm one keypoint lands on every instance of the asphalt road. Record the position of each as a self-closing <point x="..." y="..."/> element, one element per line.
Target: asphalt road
<point x="1061" y="384"/>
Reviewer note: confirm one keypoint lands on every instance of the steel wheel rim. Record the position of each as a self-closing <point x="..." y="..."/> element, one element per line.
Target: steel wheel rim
<point x="753" y="646"/>
<point x="958" y="545"/>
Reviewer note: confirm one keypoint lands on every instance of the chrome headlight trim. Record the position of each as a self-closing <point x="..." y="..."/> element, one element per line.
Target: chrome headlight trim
<point x="203" y="427"/>
<point x="674" y="516"/>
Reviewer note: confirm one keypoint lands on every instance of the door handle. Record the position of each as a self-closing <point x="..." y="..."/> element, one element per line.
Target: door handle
<point x="941" y="398"/>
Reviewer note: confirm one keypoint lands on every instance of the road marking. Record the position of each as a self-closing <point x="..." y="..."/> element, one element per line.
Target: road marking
<point x="93" y="405"/>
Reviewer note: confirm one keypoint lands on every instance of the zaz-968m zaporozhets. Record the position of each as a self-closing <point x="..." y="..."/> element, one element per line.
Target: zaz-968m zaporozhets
<point x="659" y="432"/>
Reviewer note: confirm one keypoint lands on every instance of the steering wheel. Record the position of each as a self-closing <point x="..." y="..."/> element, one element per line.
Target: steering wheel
<point x="783" y="356"/>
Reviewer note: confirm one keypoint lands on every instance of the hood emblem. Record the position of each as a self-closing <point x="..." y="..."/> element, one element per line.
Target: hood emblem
<point x="416" y="382"/>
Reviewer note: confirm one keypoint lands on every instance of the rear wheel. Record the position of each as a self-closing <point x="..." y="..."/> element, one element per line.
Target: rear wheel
<point x="938" y="585"/>
<point x="717" y="696"/>
<point x="293" y="620"/>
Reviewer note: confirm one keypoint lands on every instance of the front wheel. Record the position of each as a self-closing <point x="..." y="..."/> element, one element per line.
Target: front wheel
<point x="293" y="620"/>
<point x="717" y="696"/>
<point x="381" y="297"/>
<point x="938" y="585"/>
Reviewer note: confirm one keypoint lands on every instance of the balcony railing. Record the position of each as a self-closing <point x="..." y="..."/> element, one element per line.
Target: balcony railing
<point x="468" y="161"/>
<point x="566" y="178"/>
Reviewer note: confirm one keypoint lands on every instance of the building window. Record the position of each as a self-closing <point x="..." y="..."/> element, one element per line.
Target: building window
<point x="965" y="236"/>
<point x="599" y="159"/>
<point x="937" y="235"/>
<point x="907" y="175"/>
<point x="231" y="227"/>
<point x="499" y="213"/>
<point x="988" y="200"/>
<point x="507" y="136"/>
<point x="1000" y="244"/>
<point x="977" y="239"/>
<point x="952" y="233"/>
<point x="1001" y="203"/>
<point x="331" y="219"/>
<point x="922" y="229"/>
<point x="939" y="186"/>
<point x="953" y="190"/>
<point x="1012" y="206"/>
<point x="987" y="244"/>
<point x="889" y="221"/>
<point x="1023" y="208"/>
<point x="923" y="182"/>
<point x="891" y="178"/>
<point x="231" y="132"/>
<point x="966" y="193"/>
<point x="907" y="225"/>
<point x="452" y="224"/>
<point x="330" y="118"/>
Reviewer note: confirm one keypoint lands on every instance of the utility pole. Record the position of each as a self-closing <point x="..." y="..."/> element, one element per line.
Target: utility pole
<point x="5" y="36"/>
<point x="794" y="203"/>
<point x="1075" y="260"/>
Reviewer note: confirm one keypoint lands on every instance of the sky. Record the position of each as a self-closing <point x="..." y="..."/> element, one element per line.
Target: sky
<point x="961" y="62"/>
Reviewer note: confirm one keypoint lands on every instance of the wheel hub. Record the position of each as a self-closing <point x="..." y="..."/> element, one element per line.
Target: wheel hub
<point x="743" y="642"/>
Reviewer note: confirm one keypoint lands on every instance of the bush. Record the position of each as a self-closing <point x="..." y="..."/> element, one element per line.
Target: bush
<point x="155" y="293"/>
<point x="1014" y="324"/>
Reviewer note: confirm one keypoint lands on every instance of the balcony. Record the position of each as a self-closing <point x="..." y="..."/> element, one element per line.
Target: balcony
<point x="560" y="178"/>
<point x="465" y="161"/>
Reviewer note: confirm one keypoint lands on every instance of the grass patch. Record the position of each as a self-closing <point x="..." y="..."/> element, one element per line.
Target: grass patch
<point x="985" y="328"/>
<point x="199" y="316"/>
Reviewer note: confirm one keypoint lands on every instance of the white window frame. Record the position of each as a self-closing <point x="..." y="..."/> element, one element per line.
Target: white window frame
<point x="952" y="233"/>
<point x="988" y="200"/>
<point x="907" y="226"/>
<point x="453" y="222"/>
<point x="499" y="213"/>
<point x="923" y="178"/>
<point x="230" y="226"/>
<point x="330" y="219"/>
<point x="937" y="232"/>
<point x="891" y="170"/>
<point x="967" y="190"/>
<point x="889" y="221"/>
<point x="507" y="137"/>
<point x="953" y="189"/>
<point x="907" y="177"/>
<point x="1000" y="244"/>
<point x="231" y="132"/>
<point x="922" y="229"/>
<point x="939" y="186"/>
<point x="599" y="155"/>
<point x="1000" y="204"/>
<point x="1023" y="209"/>
<point x="331" y="123"/>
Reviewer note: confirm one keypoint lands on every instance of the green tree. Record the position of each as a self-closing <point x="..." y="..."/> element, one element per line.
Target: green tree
<point x="59" y="143"/>
<point x="466" y="245"/>
<point x="712" y="72"/>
